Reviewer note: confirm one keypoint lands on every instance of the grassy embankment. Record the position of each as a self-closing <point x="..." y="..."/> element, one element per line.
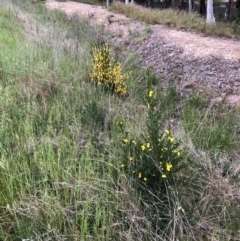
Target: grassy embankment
<point x="63" y="141"/>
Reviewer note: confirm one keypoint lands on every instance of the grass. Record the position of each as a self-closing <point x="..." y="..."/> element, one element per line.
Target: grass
<point x="216" y="127"/>
<point x="61" y="143"/>
<point x="176" y="19"/>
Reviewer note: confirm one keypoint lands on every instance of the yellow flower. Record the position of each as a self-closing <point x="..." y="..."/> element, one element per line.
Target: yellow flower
<point x="125" y="141"/>
<point x="171" y="139"/>
<point x="139" y="175"/>
<point x="148" y="145"/>
<point x="148" y="106"/>
<point x="130" y="158"/>
<point x="150" y="94"/>
<point x="167" y="132"/>
<point x="143" y="147"/>
<point x="178" y="153"/>
<point x="134" y="142"/>
<point x="164" y="176"/>
<point x="169" y="166"/>
<point x="122" y="165"/>
<point x="145" y="179"/>
<point x="164" y="149"/>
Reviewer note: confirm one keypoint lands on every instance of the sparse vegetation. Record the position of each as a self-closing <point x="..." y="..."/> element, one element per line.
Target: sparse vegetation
<point x="176" y="19"/>
<point x="63" y="141"/>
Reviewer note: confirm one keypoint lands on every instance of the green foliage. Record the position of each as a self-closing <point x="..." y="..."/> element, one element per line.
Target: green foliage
<point x="63" y="141"/>
<point x="93" y="115"/>
<point x="210" y="129"/>
<point x="197" y="101"/>
<point x="155" y="157"/>
<point x="152" y="161"/>
<point x="106" y="71"/>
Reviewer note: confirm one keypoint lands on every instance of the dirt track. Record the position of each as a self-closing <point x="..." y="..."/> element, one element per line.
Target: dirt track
<point x="197" y="60"/>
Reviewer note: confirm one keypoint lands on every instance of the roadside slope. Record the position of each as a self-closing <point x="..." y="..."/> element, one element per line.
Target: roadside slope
<point x="195" y="60"/>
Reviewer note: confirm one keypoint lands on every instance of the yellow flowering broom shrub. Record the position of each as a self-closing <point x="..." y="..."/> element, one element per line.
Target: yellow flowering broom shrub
<point x="106" y="71"/>
<point x="156" y="157"/>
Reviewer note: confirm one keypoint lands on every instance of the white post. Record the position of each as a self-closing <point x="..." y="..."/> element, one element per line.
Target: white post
<point x="107" y="3"/>
<point x="189" y="6"/>
<point x="210" y="16"/>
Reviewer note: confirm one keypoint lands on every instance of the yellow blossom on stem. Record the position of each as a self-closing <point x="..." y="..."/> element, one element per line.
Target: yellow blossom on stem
<point x="134" y="142"/>
<point x="122" y="165"/>
<point x="143" y="147"/>
<point x="164" y="176"/>
<point x="150" y="94"/>
<point x="139" y="175"/>
<point x="167" y="132"/>
<point x="168" y="167"/>
<point x="130" y="158"/>
<point x="145" y="179"/>
<point x="171" y="139"/>
<point x="125" y="141"/>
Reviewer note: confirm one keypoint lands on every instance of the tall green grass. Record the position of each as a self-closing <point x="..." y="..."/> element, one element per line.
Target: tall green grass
<point x="51" y="174"/>
<point x="61" y="143"/>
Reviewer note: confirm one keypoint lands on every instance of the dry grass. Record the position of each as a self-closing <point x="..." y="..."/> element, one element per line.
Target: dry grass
<point x="174" y="19"/>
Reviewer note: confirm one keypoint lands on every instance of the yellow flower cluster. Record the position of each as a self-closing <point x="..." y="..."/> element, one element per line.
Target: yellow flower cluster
<point x="150" y="93"/>
<point x="107" y="72"/>
<point x="168" y="168"/>
<point x="146" y="146"/>
<point x="170" y="138"/>
<point x="141" y="152"/>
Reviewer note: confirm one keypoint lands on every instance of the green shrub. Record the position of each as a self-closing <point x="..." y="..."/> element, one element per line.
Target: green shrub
<point x="156" y="157"/>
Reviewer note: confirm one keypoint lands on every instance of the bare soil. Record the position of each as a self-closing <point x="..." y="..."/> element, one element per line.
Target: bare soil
<point x="197" y="61"/>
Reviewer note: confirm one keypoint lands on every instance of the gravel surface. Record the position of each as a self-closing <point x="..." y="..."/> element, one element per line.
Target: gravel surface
<point x="170" y="62"/>
<point x="192" y="60"/>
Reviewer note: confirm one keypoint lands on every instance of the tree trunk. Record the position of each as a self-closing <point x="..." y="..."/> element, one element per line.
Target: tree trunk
<point x="228" y="9"/>
<point x="202" y="8"/>
<point x="210" y="16"/>
<point x="189" y="6"/>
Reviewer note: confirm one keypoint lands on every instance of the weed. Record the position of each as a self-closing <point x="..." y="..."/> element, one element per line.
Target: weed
<point x="157" y="157"/>
<point x="106" y="71"/>
<point x="210" y="130"/>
